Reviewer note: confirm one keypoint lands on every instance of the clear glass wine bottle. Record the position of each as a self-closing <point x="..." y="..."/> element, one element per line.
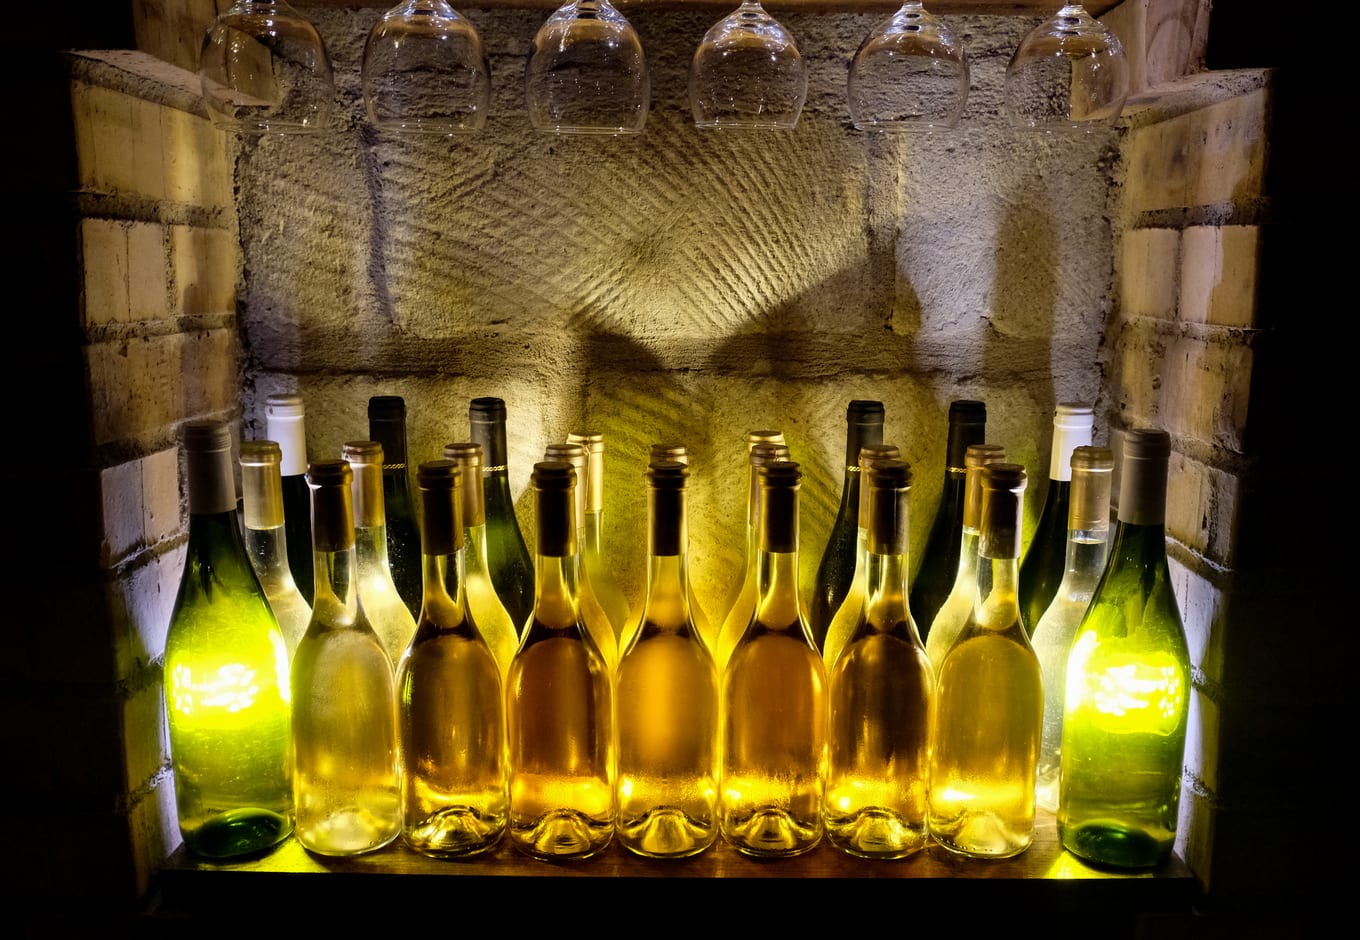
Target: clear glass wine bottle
<point x="266" y="539"/>
<point x="599" y="568"/>
<point x="285" y="423"/>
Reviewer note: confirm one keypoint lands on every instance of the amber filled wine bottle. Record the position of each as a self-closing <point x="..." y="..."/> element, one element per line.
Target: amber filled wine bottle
<point x="559" y="709"/>
<point x="667" y="697"/>
<point x="284" y="417"/>
<point x="490" y="615"/>
<point x="603" y="630"/>
<point x="383" y="605"/>
<point x="990" y="707"/>
<point x="743" y="606"/>
<point x="958" y="606"/>
<point x="387" y="426"/>
<point x="512" y="569"/>
<point x="452" y="712"/>
<point x="836" y="570"/>
<point x="773" y="705"/>
<point x="1041" y="567"/>
<point x="226" y="674"/>
<point x="267" y="541"/>
<point x="1088" y="543"/>
<point x="1128" y="685"/>
<point x="881" y="693"/>
<point x="599" y="567"/>
<point x="848" y="613"/>
<point x="345" y="780"/>
<point x="935" y="577"/>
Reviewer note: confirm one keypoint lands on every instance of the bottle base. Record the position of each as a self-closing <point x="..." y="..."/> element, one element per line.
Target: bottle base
<point x="982" y="835"/>
<point x="455" y="832"/>
<point x="771" y="833"/>
<point x="561" y="834"/>
<point x="1112" y="844"/>
<point x="348" y="831"/>
<point x="238" y="832"/>
<point x="876" y="833"/>
<point x="666" y="832"/>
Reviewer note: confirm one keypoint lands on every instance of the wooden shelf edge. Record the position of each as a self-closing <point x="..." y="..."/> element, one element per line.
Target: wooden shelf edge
<point x="1031" y="8"/>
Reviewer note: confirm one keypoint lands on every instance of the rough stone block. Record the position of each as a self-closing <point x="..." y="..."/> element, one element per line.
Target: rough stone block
<point x="145" y="738"/>
<point x="104" y="249"/>
<point x="124" y="514"/>
<point x="118" y="142"/>
<point x="147" y="294"/>
<point x="195" y="160"/>
<point x="1219" y="275"/>
<point x="172" y="29"/>
<point x="1201" y="508"/>
<point x="1149" y="274"/>
<point x="204" y="265"/>
<point x="140" y="606"/>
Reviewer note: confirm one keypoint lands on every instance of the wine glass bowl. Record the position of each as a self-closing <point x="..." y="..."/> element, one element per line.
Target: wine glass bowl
<point x="910" y="73"/>
<point x="425" y="70"/>
<point x="747" y="72"/>
<point x="1069" y="72"/>
<point x="587" y="73"/>
<point x="264" y="69"/>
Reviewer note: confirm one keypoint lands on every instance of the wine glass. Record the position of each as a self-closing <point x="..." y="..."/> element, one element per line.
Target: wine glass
<point x="747" y="72"/>
<point x="909" y="73"/>
<point x="425" y="70"/>
<point x="587" y="73"/>
<point x="264" y="69"/>
<point x="1070" y="71"/>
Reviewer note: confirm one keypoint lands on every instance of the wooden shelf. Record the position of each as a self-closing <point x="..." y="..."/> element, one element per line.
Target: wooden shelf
<point x="1043" y="879"/>
<point x="939" y="7"/>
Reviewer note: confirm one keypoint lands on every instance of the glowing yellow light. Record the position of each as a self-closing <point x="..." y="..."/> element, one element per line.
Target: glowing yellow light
<point x="1127" y="690"/>
<point x="231" y="687"/>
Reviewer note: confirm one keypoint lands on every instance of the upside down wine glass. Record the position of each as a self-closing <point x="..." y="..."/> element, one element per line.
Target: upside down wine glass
<point x="587" y="73"/>
<point x="910" y="73"/>
<point x="747" y="72"/>
<point x="425" y="70"/>
<point x="1069" y="72"/>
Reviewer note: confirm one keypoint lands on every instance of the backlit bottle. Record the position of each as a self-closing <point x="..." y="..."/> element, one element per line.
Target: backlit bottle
<point x="512" y="568"/>
<point x="1128" y="685"/>
<point x="744" y="583"/>
<point x="266" y="540"/>
<point x="450" y="704"/>
<point x="666" y="698"/>
<point x="1088" y="543"/>
<point x="602" y="629"/>
<point x="226" y="674"/>
<point x="851" y="607"/>
<point x="773" y="705"/>
<point x="1042" y="566"/>
<point x="744" y="604"/>
<point x="490" y="615"/>
<point x="881" y="694"/>
<point x="384" y="608"/>
<point x="284" y="423"/>
<point x="990" y="701"/>
<point x="387" y="426"/>
<point x="836" y="570"/>
<point x="958" y="606"/>
<point x="600" y="568"/>
<point x="559" y="709"/>
<point x="939" y="566"/>
<point x="345" y="782"/>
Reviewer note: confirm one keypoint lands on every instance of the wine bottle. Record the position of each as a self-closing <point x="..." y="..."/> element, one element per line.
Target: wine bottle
<point x="1041" y="568"/>
<point x="226" y="674"/>
<point x="598" y="568"/>
<point x="773" y="705"/>
<point x="744" y="584"/>
<point x="954" y="612"/>
<point x="345" y="777"/>
<point x="512" y="570"/>
<point x="881" y="693"/>
<point x="836" y="570"/>
<point x="602" y="629"/>
<point x="667" y="696"/>
<point x="483" y="603"/>
<point x="989" y="714"/>
<point x="383" y="606"/>
<point x="936" y="576"/>
<point x="559" y="711"/>
<point x="285" y="424"/>
<point x="707" y="629"/>
<point x="744" y="605"/>
<point x="450" y="704"/>
<point x="1128" y="685"/>
<point x="848" y="613"/>
<point x="387" y="426"/>
<point x="1088" y="543"/>
<point x="267" y="542"/>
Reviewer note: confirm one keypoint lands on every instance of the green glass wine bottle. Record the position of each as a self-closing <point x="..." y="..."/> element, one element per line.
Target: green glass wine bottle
<point x="452" y="713"/>
<point x="1128" y="685"/>
<point x="1041" y="568"/>
<point x="285" y="419"/>
<point x="226" y="674"/>
<point x="836" y="570"/>
<point x="387" y="426"/>
<point x="666" y="697"/>
<point x="935" y="576"/>
<point x="512" y="568"/>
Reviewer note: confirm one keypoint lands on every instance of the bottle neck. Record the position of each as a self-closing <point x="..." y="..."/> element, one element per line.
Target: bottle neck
<point x="557" y="599"/>
<point x="443" y="577"/>
<point x="336" y="598"/>
<point x="1087" y="552"/>
<point x="268" y="549"/>
<point x="474" y="551"/>
<point x="885" y="598"/>
<point x="667" y="602"/>
<point x="777" y="589"/>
